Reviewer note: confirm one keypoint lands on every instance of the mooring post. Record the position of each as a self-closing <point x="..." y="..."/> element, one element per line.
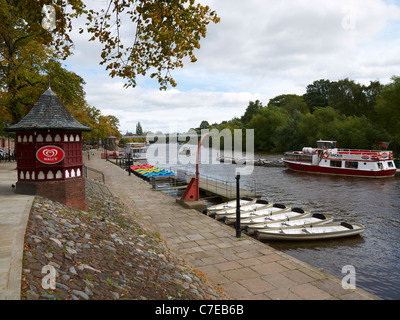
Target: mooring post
<point x="238" y="229"/>
<point x="192" y="191"/>
<point x="130" y="162"/>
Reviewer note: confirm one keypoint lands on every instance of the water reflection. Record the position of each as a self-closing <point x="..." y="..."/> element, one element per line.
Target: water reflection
<point x="371" y="202"/>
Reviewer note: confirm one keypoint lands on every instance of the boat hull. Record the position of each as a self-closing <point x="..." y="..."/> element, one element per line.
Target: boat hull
<point x="310" y="168"/>
<point x="273" y="210"/>
<point x="258" y="205"/>
<point x="302" y="220"/>
<point x="274" y="217"/>
<point x="327" y="231"/>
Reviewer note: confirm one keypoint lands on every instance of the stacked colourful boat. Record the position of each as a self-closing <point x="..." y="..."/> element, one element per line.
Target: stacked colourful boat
<point x="148" y="171"/>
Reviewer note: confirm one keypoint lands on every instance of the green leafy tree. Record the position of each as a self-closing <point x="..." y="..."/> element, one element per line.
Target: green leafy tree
<point x="388" y="111"/>
<point x="25" y="46"/>
<point x="317" y="94"/>
<point x="348" y="97"/>
<point x="204" y="125"/>
<point x="291" y="103"/>
<point x="372" y="92"/>
<point x="252" y="109"/>
<point x="139" y="130"/>
<point x="322" y="124"/>
<point x="358" y="133"/>
<point x="102" y="125"/>
<point x="265" y="125"/>
<point x="288" y="137"/>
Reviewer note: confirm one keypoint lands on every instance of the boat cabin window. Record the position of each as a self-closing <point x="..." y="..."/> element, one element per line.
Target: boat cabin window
<point x="351" y="164"/>
<point x="326" y="144"/>
<point x="380" y="166"/>
<point x="390" y="164"/>
<point x="299" y="157"/>
<point x="336" y="163"/>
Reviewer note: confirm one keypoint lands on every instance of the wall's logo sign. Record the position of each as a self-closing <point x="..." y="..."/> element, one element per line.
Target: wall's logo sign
<point x="50" y="154"/>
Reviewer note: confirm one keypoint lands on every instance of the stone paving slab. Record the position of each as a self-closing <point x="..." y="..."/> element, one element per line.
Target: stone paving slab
<point x="14" y="213"/>
<point x="244" y="268"/>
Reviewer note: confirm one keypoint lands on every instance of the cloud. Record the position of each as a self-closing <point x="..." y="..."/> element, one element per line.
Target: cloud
<point x="260" y="49"/>
<point x="258" y="36"/>
<point x="157" y="110"/>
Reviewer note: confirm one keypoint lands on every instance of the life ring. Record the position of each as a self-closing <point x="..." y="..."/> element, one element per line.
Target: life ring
<point x="391" y="156"/>
<point x="326" y="154"/>
<point x="379" y="156"/>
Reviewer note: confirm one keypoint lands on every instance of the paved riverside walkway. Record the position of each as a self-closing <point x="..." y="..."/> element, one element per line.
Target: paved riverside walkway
<point x="14" y="213"/>
<point x="244" y="268"/>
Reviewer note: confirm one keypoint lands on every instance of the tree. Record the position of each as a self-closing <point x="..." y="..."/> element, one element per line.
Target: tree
<point x="291" y="103"/>
<point x="359" y="133"/>
<point x="165" y="32"/>
<point x="265" y="125"/>
<point x="252" y="109"/>
<point x="348" y="97"/>
<point x="66" y="84"/>
<point x="139" y="130"/>
<point x="288" y="137"/>
<point x="317" y="94"/>
<point x="25" y="46"/>
<point x="102" y="125"/>
<point x="322" y="124"/>
<point x="388" y="111"/>
<point x="204" y="125"/>
<point x="372" y="92"/>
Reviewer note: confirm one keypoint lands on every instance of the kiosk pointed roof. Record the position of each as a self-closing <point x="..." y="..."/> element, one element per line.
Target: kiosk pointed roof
<point x="48" y="113"/>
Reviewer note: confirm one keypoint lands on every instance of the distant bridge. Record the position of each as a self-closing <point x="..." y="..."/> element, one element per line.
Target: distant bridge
<point x="160" y="134"/>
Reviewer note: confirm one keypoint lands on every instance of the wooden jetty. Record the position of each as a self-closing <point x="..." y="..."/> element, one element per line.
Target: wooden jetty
<point x="212" y="187"/>
<point x="222" y="189"/>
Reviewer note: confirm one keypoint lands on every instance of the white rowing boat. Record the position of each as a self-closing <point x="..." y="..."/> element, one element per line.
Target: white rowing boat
<point x="326" y="231"/>
<point x="228" y="205"/>
<point x="274" y="209"/>
<point x="276" y="216"/>
<point x="300" y="220"/>
<point x="257" y="205"/>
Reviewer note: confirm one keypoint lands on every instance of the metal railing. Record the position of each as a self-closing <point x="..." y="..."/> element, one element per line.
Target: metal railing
<point x="93" y="174"/>
<point x="219" y="186"/>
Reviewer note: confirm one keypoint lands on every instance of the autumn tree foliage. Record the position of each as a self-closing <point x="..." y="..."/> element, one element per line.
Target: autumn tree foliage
<point x="139" y="37"/>
<point x="163" y="34"/>
<point x="25" y="48"/>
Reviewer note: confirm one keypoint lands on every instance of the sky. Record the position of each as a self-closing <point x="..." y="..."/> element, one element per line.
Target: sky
<point x="259" y="50"/>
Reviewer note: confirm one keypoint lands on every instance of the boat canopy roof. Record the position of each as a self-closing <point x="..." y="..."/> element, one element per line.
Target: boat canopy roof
<point x="326" y="144"/>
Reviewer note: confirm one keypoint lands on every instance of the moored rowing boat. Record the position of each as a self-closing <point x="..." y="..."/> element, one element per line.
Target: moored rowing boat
<point x="326" y="231"/>
<point x="229" y="204"/>
<point x="274" y="209"/>
<point x="257" y="205"/>
<point x="275" y="216"/>
<point x="300" y="220"/>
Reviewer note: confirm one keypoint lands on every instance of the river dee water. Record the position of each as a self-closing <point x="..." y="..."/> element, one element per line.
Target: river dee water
<point x="374" y="203"/>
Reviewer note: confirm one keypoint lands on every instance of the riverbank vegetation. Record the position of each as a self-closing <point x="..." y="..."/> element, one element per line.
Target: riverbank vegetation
<point x="356" y="115"/>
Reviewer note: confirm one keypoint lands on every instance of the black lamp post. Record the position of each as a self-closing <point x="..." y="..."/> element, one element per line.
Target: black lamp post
<point x="238" y="228"/>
